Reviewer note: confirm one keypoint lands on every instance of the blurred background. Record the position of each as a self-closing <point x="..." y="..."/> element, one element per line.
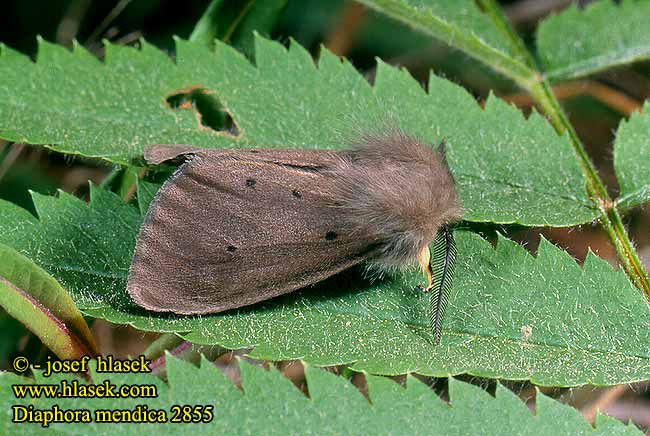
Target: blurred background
<point x="595" y="105"/>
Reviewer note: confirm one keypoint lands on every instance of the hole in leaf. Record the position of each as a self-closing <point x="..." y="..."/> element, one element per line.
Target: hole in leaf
<point x="209" y="111"/>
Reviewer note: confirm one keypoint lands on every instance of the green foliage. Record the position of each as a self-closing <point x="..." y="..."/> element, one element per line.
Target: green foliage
<point x="433" y="19"/>
<point x="269" y="404"/>
<point x="571" y="44"/>
<point x="508" y="169"/>
<point x="88" y="248"/>
<point x="146" y="191"/>
<point x="632" y="159"/>
<point x="592" y="314"/>
<point x="578" y="42"/>
<point x="236" y="22"/>
<point x="32" y="296"/>
<point x="461" y="25"/>
<point x="510" y="315"/>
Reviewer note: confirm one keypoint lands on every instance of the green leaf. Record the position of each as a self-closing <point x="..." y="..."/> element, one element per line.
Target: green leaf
<point x="461" y="25"/>
<point x="632" y="159"/>
<point x="509" y="178"/>
<point x="510" y="315"/>
<point x="36" y="299"/>
<point x="207" y="28"/>
<point x="607" y="425"/>
<point x="509" y="170"/>
<point x="16" y="224"/>
<point x="236" y="22"/>
<point x="577" y="42"/>
<point x="86" y="247"/>
<point x="568" y="46"/>
<point x="127" y="183"/>
<point x="619" y="40"/>
<point x="146" y="191"/>
<point x="271" y="404"/>
<point x="102" y="112"/>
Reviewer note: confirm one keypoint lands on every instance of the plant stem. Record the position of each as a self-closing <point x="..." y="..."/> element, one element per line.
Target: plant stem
<point x="541" y="92"/>
<point x="439" y="28"/>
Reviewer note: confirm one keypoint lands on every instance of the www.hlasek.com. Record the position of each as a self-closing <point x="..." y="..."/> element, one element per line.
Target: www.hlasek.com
<point x="23" y="413"/>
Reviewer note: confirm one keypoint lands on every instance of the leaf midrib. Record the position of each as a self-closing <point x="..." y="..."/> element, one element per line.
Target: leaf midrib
<point x="599" y="63"/>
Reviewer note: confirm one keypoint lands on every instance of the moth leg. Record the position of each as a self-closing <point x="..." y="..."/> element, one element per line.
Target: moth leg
<point x="424" y="258"/>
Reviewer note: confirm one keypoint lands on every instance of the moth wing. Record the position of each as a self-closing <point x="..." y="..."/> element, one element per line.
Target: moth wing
<point x="305" y="159"/>
<point x="155" y="154"/>
<point x="227" y="232"/>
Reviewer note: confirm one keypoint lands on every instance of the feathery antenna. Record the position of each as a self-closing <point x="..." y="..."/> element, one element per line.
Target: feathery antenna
<point x="444" y="260"/>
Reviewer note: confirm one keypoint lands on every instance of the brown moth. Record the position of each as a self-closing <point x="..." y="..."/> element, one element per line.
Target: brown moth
<point x="234" y="227"/>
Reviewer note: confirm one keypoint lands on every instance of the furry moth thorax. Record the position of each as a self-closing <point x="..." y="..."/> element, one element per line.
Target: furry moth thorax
<point x="396" y="192"/>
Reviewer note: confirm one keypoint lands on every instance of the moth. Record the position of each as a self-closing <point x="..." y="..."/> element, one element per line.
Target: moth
<point x="232" y="228"/>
